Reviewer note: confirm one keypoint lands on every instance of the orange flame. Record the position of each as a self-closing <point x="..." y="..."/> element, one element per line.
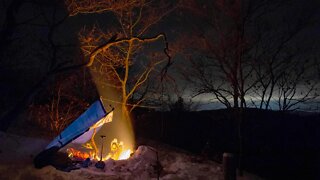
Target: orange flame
<point x="78" y="154"/>
<point x="117" y="151"/>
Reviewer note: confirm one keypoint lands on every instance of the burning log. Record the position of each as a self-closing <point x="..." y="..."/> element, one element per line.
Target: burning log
<point x="73" y="153"/>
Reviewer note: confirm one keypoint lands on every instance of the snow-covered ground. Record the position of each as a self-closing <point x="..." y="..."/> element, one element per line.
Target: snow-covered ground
<point x="17" y="153"/>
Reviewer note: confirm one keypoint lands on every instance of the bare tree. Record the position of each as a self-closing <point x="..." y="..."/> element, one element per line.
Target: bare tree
<point x="124" y="44"/>
<point x="295" y="87"/>
<point x="279" y="54"/>
<point x="246" y="53"/>
<point x="61" y="102"/>
<point x="244" y="47"/>
<point x="225" y="69"/>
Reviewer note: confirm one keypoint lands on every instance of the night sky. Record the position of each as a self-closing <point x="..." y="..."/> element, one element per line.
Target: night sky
<point x="27" y="52"/>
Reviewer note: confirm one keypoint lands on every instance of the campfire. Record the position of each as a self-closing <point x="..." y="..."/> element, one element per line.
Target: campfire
<point x="117" y="151"/>
<point x="94" y="138"/>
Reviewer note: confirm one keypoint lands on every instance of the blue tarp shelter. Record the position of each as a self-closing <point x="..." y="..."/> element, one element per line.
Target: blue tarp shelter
<point x="81" y="130"/>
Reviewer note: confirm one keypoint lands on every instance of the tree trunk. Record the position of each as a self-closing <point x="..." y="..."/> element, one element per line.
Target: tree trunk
<point x="240" y="134"/>
<point x="235" y="99"/>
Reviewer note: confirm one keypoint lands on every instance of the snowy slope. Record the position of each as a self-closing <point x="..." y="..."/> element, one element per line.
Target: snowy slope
<point x="17" y="152"/>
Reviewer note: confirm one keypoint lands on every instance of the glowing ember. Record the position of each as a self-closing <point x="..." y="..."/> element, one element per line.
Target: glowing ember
<point x="117" y="152"/>
<point x="88" y="146"/>
<point x="73" y="153"/>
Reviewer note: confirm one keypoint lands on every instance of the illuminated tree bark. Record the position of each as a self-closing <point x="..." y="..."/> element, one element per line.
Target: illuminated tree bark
<point x="118" y="48"/>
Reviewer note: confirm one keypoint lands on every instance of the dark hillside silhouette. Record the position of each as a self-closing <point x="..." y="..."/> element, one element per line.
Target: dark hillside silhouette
<point x="276" y="144"/>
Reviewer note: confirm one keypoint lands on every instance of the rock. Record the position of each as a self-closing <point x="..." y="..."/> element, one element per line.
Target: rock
<point x="86" y="163"/>
<point x="100" y="165"/>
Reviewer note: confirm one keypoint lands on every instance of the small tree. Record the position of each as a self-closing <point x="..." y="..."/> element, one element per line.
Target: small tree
<point x="62" y="102"/>
<point x="296" y="86"/>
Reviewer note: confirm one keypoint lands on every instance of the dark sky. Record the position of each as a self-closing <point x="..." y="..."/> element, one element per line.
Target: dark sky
<point x="26" y="57"/>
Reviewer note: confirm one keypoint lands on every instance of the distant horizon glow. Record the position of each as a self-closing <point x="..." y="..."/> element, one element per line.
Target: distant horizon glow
<point x="207" y="102"/>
